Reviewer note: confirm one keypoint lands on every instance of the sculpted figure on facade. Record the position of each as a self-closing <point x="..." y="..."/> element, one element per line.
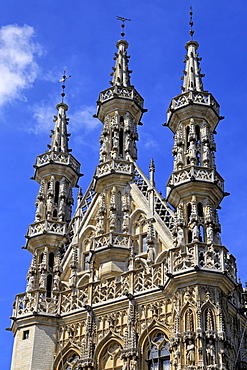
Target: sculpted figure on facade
<point x="190" y="353"/>
<point x="210" y="353"/>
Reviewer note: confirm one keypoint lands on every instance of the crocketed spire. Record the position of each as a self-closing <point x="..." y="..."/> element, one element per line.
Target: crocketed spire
<point x="121" y="74"/>
<point x="59" y="137"/>
<point x="192" y="73"/>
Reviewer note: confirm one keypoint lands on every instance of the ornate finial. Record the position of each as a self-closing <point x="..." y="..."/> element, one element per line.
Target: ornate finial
<point x="123" y="25"/>
<point x="191" y="23"/>
<point x="63" y="86"/>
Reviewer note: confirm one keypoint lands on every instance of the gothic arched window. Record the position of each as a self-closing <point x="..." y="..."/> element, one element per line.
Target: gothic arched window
<point x="158" y="356"/>
<point x="69" y="362"/>
<point x="110" y="358"/>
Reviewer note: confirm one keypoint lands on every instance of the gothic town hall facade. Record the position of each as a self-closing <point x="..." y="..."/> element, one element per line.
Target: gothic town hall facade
<point x="132" y="280"/>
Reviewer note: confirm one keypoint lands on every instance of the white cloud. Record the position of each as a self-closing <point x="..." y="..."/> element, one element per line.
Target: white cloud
<point x="83" y="118"/>
<point x="80" y="120"/>
<point x="18" y="68"/>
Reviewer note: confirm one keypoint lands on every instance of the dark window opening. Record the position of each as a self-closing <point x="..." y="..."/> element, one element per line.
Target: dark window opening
<point x="41" y="257"/>
<point x="187" y="137"/>
<point x="121" y="142"/>
<point x="189" y="236"/>
<point x="200" y="210"/>
<point x="54" y="213"/>
<point x="56" y="192"/>
<point x="188" y="212"/>
<point x="25" y="334"/>
<point x="51" y="260"/>
<point x="48" y="286"/>
<point x="198" y="134"/>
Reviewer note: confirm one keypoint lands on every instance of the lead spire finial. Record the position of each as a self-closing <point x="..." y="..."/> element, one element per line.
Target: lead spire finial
<point x="63" y="79"/>
<point x="122" y="19"/>
<point x="191" y="23"/>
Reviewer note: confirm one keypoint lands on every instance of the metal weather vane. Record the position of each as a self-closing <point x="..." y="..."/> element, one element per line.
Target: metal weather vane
<point x="63" y="80"/>
<point x="122" y="19"/>
<point x="191" y="23"/>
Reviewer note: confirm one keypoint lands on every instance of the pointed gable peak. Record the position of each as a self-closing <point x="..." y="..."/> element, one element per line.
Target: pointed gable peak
<point x="121" y="74"/>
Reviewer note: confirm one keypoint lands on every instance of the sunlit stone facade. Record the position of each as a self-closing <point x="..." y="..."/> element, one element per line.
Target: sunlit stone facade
<point x="132" y="280"/>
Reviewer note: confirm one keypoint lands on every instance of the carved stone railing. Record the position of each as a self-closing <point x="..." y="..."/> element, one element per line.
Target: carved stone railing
<point x="59" y="158"/>
<point x="195" y="173"/>
<point x="193" y="97"/>
<point x="114" y="239"/>
<point x="160" y="206"/>
<point x="45" y="226"/>
<point x="121" y="92"/>
<point x="197" y="256"/>
<point x="114" y="166"/>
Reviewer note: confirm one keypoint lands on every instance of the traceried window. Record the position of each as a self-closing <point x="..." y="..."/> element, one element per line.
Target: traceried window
<point x="70" y="362"/>
<point x="157" y="352"/>
<point x="110" y="358"/>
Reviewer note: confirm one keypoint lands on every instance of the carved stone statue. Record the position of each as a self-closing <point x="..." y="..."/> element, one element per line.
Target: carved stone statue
<point x="180" y="238"/>
<point x="56" y="282"/>
<point x="210" y="234"/>
<point x="210" y="353"/>
<point x="150" y="254"/>
<point x="30" y="284"/>
<point x="190" y="353"/>
<point x="42" y="280"/>
<point x="195" y="233"/>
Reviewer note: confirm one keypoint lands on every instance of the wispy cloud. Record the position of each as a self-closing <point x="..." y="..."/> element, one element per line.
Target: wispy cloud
<point x="18" y="68"/>
<point x="80" y="120"/>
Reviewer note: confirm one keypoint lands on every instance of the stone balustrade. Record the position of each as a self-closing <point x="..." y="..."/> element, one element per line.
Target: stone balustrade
<point x="196" y="173"/>
<point x="58" y="158"/>
<point x="114" y="166"/>
<point x="121" y="92"/>
<point x="193" y="257"/>
<point x="193" y="97"/>
<point x="45" y="226"/>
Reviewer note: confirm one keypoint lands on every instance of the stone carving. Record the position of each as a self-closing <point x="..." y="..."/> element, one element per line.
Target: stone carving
<point x="190" y="353"/>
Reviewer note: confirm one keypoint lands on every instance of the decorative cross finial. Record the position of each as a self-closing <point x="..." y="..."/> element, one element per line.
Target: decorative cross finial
<point x="191" y="32"/>
<point x="123" y="25"/>
<point x="63" y="85"/>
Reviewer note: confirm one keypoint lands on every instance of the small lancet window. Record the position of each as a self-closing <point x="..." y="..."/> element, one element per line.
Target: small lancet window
<point x="187" y="136"/>
<point x="51" y="260"/>
<point x="121" y="142"/>
<point x="198" y="134"/>
<point x="54" y="214"/>
<point x="48" y="286"/>
<point x="189" y="236"/>
<point x="188" y="212"/>
<point x="200" y="209"/>
<point x="201" y="233"/>
<point x="41" y="257"/>
<point x="56" y="192"/>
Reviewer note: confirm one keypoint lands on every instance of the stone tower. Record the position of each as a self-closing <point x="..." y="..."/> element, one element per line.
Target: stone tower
<point x="130" y="282"/>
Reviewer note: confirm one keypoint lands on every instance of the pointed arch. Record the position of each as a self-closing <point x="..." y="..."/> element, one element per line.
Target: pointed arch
<point x="108" y="352"/>
<point x="83" y="280"/>
<point x="69" y="354"/>
<point x="153" y="345"/>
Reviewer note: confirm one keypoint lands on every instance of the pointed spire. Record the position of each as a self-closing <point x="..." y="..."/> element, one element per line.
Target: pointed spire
<point x="59" y="137"/>
<point x="192" y="73"/>
<point x="121" y="74"/>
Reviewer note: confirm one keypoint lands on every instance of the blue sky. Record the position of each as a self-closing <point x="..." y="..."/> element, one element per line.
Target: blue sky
<point x="38" y="39"/>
